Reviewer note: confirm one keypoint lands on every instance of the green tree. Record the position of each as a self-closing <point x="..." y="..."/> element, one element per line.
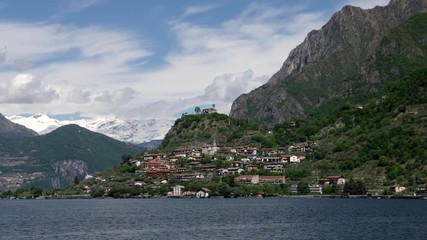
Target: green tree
<point x="355" y="187"/>
<point x="303" y="188"/>
<point x="197" y="110"/>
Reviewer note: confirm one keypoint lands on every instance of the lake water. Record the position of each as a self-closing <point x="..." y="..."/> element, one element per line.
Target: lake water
<point x="243" y="218"/>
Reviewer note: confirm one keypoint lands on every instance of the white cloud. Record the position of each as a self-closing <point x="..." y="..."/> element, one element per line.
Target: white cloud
<point x="25" y="88"/>
<point x="258" y="39"/>
<point x="221" y="92"/>
<point x="78" y="5"/>
<point x="73" y="6"/>
<point x="98" y="67"/>
<point x="367" y="4"/>
<point x="191" y="10"/>
<point x="97" y="78"/>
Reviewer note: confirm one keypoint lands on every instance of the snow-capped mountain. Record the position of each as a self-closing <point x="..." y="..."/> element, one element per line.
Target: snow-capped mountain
<point x="133" y="131"/>
<point x="41" y="123"/>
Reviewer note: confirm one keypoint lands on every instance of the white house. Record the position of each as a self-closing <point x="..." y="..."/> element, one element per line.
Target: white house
<point x="176" y="191"/>
<point x="203" y="193"/>
<point x="294" y="159"/>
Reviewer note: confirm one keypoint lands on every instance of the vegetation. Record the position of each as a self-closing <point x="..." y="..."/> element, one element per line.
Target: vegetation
<point x="199" y="129"/>
<point x="39" y="154"/>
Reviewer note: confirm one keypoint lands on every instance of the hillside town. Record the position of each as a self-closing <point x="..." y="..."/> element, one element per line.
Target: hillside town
<point x="240" y="167"/>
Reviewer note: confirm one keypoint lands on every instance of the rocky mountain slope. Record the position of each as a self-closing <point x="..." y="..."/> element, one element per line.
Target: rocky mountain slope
<point x="55" y="159"/>
<point x="132" y="131"/>
<point x="338" y="61"/>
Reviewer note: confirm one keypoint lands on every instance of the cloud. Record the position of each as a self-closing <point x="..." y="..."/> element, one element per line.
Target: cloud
<point x="25" y="88"/>
<point x="80" y="96"/>
<point x="367" y="4"/>
<point x="79" y="5"/>
<point x="76" y="65"/>
<point x="73" y="6"/>
<point x="227" y="87"/>
<point x="88" y="69"/>
<point x="119" y="96"/>
<point x="257" y="39"/>
<point x="221" y="92"/>
<point x="192" y="10"/>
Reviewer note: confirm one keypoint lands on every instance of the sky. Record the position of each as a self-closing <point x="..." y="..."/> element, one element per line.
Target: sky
<point x="143" y="59"/>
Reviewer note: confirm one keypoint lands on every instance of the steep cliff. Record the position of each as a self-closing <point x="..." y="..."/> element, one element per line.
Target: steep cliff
<point x="337" y="61"/>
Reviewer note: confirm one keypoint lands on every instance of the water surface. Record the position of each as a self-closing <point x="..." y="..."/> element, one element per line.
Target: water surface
<point x="244" y="218"/>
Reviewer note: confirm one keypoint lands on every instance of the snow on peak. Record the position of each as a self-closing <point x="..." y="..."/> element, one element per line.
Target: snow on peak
<point x="133" y="131"/>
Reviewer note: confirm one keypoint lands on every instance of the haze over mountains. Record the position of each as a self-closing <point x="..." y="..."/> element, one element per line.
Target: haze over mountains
<point x="131" y="131"/>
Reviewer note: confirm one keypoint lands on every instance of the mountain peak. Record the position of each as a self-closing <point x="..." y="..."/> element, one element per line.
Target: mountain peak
<point x="40" y="115"/>
<point x="133" y="131"/>
<point x="326" y="64"/>
<point x="10" y="129"/>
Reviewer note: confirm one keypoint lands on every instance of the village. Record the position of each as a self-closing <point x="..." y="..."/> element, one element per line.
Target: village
<point x="247" y="166"/>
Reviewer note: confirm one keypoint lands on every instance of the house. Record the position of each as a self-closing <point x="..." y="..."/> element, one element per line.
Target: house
<point x="421" y="189"/>
<point x="193" y="165"/>
<point x="178" y="170"/>
<point x="358" y="106"/>
<point x="155" y="173"/>
<point x="135" y="162"/>
<point x="271" y="160"/>
<point x="316" y="188"/>
<point x="230" y="171"/>
<point x="294" y="188"/>
<point x="207" y="167"/>
<point x="412" y="111"/>
<point x="274" y="167"/>
<point x="174" y="159"/>
<point x="209" y="110"/>
<point x="185" y="177"/>
<point x="247" y="179"/>
<point x="176" y="191"/>
<point x="87" y="189"/>
<point x="271" y="179"/>
<point x="397" y="188"/>
<point x="203" y="193"/>
<point x="106" y="189"/>
<point x="339" y="180"/>
<point x="196" y="154"/>
<point x="251" y="167"/>
<point x="294" y="159"/>
<point x="210" y="149"/>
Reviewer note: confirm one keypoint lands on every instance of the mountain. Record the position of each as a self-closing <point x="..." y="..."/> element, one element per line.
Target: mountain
<point x="13" y="130"/>
<point x="341" y="60"/>
<point x="201" y="129"/>
<point x="132" y="131"/>
<point x="55" y="159"/>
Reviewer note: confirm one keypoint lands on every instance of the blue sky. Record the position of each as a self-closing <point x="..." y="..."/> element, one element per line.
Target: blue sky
<point x="146" y="58"/>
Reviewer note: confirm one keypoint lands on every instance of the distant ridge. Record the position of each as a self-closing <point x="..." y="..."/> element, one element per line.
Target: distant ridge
<point x="13" y="130"/>
<point x="132" y="131"/>
<point x="54" y="160"/>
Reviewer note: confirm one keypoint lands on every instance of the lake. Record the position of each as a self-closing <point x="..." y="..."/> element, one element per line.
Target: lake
<point x="242" y="218"/>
